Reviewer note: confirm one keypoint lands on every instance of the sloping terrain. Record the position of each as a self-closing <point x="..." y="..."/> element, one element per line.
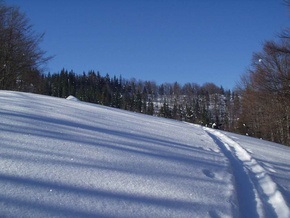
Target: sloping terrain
<point x="66" y="158"/>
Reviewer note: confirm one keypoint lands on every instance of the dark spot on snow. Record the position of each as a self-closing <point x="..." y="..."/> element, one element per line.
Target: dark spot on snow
<point x="208" y="173"/>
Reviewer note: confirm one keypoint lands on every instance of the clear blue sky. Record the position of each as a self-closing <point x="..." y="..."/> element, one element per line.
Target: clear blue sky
<point x="158" y="40"/>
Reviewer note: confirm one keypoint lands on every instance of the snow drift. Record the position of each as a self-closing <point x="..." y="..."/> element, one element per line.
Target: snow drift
<point x="73" y="159"/>
<point x="72" y="98"/>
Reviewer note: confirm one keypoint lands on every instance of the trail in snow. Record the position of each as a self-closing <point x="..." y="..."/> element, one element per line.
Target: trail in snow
<point x="245" y="191"/>
<point x="257" y="193"/>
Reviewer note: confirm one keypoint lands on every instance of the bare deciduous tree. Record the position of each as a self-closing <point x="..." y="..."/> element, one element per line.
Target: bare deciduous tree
<point x="20" y="54"/>
<point x="266" y="93"/>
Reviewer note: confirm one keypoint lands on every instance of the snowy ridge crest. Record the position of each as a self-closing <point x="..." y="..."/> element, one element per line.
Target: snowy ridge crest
<point x="270" y="201"/>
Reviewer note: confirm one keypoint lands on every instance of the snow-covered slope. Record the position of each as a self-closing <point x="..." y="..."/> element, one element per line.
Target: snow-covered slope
<point x="62" y="158"/>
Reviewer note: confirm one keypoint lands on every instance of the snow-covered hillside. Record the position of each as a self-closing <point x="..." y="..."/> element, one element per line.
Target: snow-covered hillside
<point x="66" y="158"/>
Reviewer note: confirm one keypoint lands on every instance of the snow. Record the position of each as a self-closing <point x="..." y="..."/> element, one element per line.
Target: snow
<point x="72" y="98"/>
<point x="61" y="158"/>
<point x="266" y="192"/>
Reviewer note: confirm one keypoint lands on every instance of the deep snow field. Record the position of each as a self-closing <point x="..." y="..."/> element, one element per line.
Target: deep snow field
<point x="67" y="158"/>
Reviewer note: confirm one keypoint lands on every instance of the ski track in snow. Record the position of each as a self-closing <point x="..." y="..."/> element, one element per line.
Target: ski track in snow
<point x="257" y="194"/>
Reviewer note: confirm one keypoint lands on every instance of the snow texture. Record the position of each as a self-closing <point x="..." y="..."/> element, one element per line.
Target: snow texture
<point x="72" y="98"/>
<point x="269" y="200"/>
<point x="61" y="158"/>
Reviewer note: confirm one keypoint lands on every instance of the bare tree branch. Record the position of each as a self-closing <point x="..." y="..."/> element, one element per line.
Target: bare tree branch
<point x="19" y="48"/>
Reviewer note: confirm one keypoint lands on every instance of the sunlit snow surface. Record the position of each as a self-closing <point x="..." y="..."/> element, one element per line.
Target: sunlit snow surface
<point x="64" y="158"/>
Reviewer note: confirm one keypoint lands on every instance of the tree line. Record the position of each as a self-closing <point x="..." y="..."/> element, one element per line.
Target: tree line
<point x="259" y="106"/>
<point x="206" y="104"/>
